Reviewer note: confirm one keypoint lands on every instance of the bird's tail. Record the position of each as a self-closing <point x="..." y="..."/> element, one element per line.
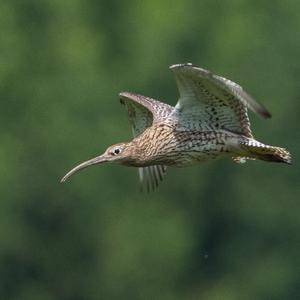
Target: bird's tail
<point x="256" y="150"/>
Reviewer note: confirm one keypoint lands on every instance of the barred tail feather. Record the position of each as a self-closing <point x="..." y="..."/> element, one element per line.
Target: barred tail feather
<point x="268" y="153"/>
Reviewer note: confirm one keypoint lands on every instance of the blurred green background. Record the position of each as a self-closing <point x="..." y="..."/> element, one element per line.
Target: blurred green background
<point x="216" y="231"/>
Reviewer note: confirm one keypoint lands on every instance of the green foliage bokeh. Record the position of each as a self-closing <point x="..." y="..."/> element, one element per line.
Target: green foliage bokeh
<point x="216" y="231"/>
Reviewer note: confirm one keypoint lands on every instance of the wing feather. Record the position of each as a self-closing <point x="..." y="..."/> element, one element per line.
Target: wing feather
<point x="211" y="101"/>
<point x="151" y="176"/>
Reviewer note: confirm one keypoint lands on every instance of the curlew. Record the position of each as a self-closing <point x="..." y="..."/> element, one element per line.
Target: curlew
<point x="209" y="121"/>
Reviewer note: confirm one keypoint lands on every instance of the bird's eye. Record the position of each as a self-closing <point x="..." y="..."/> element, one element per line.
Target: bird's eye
<point x="115" y="151"/>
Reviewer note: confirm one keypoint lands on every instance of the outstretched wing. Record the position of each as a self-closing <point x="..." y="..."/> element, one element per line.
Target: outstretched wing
<point x="208" y="101"/>
<point x="143" y="112"/>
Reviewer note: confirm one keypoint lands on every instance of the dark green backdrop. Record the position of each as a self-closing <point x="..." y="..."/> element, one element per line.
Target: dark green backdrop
<point x="216" y="231"/>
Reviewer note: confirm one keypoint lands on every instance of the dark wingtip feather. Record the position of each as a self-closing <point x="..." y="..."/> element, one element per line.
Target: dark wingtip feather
<point x="266" y="114"/>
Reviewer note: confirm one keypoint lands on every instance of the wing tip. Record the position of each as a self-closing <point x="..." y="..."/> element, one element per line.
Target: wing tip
<point x="266" y="114"/>
<point x="262" y="111"/>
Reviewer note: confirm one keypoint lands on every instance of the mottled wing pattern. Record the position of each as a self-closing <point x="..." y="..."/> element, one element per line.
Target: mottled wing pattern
<point x="140" y="117"/>
<point x="211" y="102"/>
<point x="159" y="110"/>
<point x="143" y="112"/>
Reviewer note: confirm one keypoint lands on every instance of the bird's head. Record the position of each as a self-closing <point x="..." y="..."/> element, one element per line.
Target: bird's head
<point x="120" y="153"/>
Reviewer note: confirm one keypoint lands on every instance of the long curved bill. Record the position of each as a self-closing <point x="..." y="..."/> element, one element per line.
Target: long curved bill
<point x="93" y="161"/>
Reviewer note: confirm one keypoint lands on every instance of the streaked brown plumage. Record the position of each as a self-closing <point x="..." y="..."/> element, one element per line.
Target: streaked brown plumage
<point x="209" y="121"/>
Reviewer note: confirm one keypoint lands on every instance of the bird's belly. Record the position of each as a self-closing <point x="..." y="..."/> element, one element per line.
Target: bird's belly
<point x="188" y="158"/>
<point x="185" y="148"/>
<point x="191" y="154"/>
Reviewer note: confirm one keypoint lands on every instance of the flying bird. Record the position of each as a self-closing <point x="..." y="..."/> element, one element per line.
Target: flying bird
<point x="209" y="121"/>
